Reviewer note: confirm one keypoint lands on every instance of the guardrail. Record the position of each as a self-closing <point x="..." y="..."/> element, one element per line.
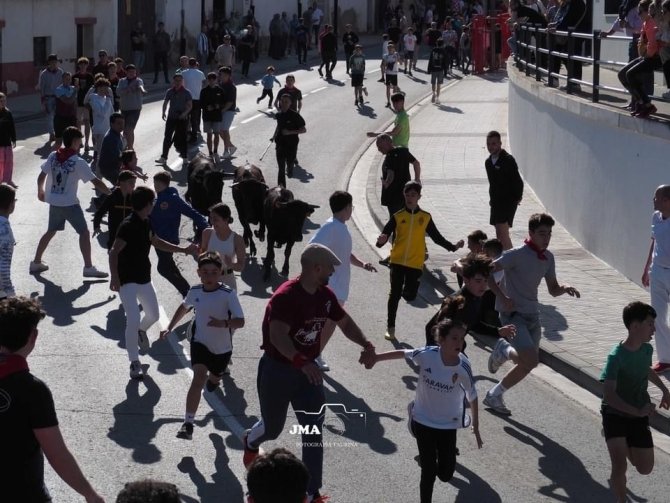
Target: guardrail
<point x="530" y="55"/>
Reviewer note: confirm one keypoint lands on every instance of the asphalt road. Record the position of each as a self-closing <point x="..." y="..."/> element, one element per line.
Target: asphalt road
<point x="550" y="449"/>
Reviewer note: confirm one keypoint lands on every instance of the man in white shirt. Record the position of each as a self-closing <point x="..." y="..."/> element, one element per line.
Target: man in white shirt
<point x="317" y="18"/>
<point x="335" y="235"/>
<point x="194" y="80"/>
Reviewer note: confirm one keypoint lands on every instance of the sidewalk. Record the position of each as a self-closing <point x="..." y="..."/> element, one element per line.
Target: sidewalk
<point x="28" y="107"/>
<point x="450" y="142"/>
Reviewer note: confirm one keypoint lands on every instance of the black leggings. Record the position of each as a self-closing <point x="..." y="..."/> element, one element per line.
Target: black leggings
<point x="405" y="284"/>
<point x="269" y="94"/>
<point x="437" y="455"/>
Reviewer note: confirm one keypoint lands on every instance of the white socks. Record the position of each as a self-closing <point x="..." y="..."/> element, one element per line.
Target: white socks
<point x="189" y="418"/>
<point x="498" y="389"/>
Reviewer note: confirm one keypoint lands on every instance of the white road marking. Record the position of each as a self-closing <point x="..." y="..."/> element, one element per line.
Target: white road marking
<point x="176" y="165"/>
<point x="245" y="121"/>
<point x="16" y="149"/>
<point x="232" y="127"/>
<point x="373" y="71"/>
<point x="318" y="89"/>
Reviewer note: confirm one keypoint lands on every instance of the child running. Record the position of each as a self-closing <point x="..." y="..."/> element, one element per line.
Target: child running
<point x="217" y="314"/>
<point x="267" y="82"/>
<point x="626" y="405"/>
<point x="438" y="409"/>
<point x="357" y="68"/>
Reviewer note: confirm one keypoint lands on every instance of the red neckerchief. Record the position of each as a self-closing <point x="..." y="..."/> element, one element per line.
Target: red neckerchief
<point x="540" y="253"/>
<point x="11" y="364"/>
<point x="64" y="153"/>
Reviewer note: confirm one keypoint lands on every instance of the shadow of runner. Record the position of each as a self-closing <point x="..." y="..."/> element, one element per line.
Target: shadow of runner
<point x="565" y="470"/>
<point x="223" y="486"/>
<point x="473" y="488"/>
<point x="372" y="431"/>
<point x="134" y="426"/>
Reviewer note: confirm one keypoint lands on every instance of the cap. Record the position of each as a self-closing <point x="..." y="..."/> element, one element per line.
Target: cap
<point x="315" y="253"/>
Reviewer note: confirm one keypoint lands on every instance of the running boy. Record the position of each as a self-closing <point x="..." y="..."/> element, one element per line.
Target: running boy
<point x="516" y="301"/>
<point x="356" y="66"/>
<point x="217" y="314"/>
<point x="408" y="253"/>
<point x="626" y="405"/>
<point x="438" y="412"/>
<point x="389" y="66"/>
<point x="267" y="82"/>
<point x="437" y="65"/>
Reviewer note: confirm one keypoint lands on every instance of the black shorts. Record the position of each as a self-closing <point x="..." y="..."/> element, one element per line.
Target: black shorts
<point x="392" y="80"/>
<point x="634" y="429"/>
<point x="503" y="213"/>
<point x="216" y="364"/>
<point x="60" y="123"/>
<point x="356" y="80"/>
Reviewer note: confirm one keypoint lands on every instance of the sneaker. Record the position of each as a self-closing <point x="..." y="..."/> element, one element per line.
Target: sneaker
<point x="93" y="272"/>
<point x="432" y="99"/>
<point x="390" y="334"/>
<point x="660" y="367"/>
<point x="249" y="453"/>
<point x="258" y="100"/>
<point x="320" y="72"/>
<point x="321" y="363"/>
<point x="355" y="102"/>
<point x="212" y="386"/>
<point x="317" y="498"/>
<point x="186" y="431"/>
<point x="385" y="261"/>
<point x="388" y="104"/>
<point x="143" y="340"/>
<point x="437" y="100"/>
<point x="381" y="80"/>
<point x="135" y="370"/>
<point x="360" y="100"/>
<point x="497" y="404"/>
<point x="232" y="150"/>
<point x="666" y="95"/>
<point x="410" y="74"/>
<point x="161" y="160"/>
<point x="497" y="356"/>
<point x="38" y="267"/>
<point x="647" y="111"/>
<point x="410" y="417"/>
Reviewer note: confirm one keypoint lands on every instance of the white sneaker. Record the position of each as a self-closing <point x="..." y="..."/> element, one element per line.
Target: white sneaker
<point x="321" y="363"/>
<point x="161" y="160"/>
<point x="498" y="356"/>
<point x="93" y="272"/>
<point x="410" y="417"/>
<point x="135" y="370"/>
<point x="143" y="340"/>
<point x="38" y="267"/>
<point x="497" y="404"/>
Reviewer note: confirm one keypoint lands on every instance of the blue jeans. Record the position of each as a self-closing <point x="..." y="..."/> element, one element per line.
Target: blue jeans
<point x="50" y="105"/>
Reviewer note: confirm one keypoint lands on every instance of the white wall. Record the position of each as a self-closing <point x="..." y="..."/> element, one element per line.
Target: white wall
<point x="610" y="50"/>
<point x="594" y="169"/>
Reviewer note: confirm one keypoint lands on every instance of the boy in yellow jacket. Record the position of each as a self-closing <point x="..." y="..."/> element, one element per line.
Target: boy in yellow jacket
<point x="408" y="252"/>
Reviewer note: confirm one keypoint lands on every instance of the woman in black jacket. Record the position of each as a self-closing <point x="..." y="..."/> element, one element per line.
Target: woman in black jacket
<point x="7" y="143"/>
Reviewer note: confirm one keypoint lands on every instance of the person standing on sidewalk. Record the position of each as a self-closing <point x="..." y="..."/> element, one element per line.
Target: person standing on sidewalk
<point x="50" y="78"/>
<point x="390" y="65"/>
<point x="409" y="43"/>
<point x="130" y="270"/>
<point x="131" y="91"/>
<point x="29" y="428"/>
<point x="395" y="173"/>
<point x="62" y="171"/>
<point x="294" y="322"/>
<point x="626" y="405"/>
<point x="335" y="235"/>
<point x="7" y="143"/>
<point x="176" y="122"/>
<point x="516" y="301"/>
<point x="401" y="128"/>
<point x="505" y="188"/>
<point x="656" y="275"/>
<point x="165" y="220"/>
<point x="162" y="45"/>
<point x="290" y="124"/>
<point x="408" y="253"/>
<point x="301" y="41"/>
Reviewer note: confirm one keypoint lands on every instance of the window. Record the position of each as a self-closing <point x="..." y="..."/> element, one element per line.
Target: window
<point x="41" y="49"/>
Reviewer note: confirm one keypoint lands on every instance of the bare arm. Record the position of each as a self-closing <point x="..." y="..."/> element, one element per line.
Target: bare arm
<point x="63" y="462"/>
<point x="163" y="245"/>
<point x="204" y="241"/>
<point x="353" y="332"/>
<point x="645" y="273"/>
<point x="280" y="339"/>
<point x="390" y="355"/>
<point x="119" y="244"/>
<point x="100" y="185"/>
<point x="655" y="379"/>
<point x="354" y="260"/>
<point x="178" y="315"/>
<point x="613" y="400"/>
<point x="40" y="185"/>
<point x="417" y="170"/>
<point x="240" y="253"/>
<point x="556" y="290"/>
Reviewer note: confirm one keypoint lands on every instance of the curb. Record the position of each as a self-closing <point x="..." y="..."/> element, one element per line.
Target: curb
<point x="585" y="376"/>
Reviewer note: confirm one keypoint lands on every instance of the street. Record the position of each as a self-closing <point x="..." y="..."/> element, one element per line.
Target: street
<point x="550" y="449"/>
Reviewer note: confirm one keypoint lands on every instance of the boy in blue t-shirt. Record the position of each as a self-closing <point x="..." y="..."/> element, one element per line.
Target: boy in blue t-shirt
<point x="267" y="82"/>
<point x="626" y="405"/>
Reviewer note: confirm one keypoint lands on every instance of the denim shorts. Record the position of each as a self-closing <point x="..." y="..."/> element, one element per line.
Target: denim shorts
<point x="528" y="329"/>
<point x="58" y="215"/>
<point x="227" y="120"/>
<point x="131" y="118"/>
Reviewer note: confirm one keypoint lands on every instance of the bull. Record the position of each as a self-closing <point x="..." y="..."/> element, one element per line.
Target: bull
<point x="284" y="217"/>
<point x="249" y="190"/>
<point x="205" y="184"/>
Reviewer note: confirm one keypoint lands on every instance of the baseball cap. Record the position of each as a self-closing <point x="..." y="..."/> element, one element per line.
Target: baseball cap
<point x="315" y="253"/>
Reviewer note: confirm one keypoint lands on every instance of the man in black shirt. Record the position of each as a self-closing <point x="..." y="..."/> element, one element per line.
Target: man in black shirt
<point x="328" y="51"/>
<point x="289" y="125"/>
<point x="395" y="173"/>
<point x="228" y="108"/>
<point x="211" y="102"/>
<point x="117" y="205"/>
<point x="294" y="93"/>
<point x="349" y="41"/>
<point x="28" y="423"/>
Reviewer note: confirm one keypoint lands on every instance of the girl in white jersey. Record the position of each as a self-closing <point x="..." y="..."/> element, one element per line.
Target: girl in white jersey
<point x="222" y="239"/>
<point x="438" y="410"/>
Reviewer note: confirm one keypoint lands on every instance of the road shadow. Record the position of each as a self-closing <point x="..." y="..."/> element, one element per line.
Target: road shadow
<point x="134" y="425"/>
<point x="115" y="326"/>
<point x="447" y="108"/>
<point x="335" y="82"/>
<point x="167" y="362"/>
<point x="369" y="431"/>
<point x="300" y="174"/>
<point x="553" y="322"/>
<point x="44" y="151"/>
<point x="416" y="79"/>
<point x="472" y="487"/>
<point x="223" y="485"/>
<point x="60" y="305"/>
<point x="252" y="277"/>
<point x="366" y="111"/>
<point x="566" y="471"/>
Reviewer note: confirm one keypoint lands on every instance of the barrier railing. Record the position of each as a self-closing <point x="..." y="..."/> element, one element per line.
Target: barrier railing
<point x="530" y="56"/>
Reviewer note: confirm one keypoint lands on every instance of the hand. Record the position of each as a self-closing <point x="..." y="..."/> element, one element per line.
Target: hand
<point x="94" y="497"/>
<point x="460" y="244"/>
<point x="369" y="267"/>
<point x="507" y="304"/>
<point x="313" y="373"/>
<point x="164" y="333"/>
<point x="665" y="400"/>
<point x="96" y="231"/>
<point x="647" y="410"/>
<point x="215" y="322"/>
<point x="508" y="332"/>
<point x="40" y="195"/>
<point x="571" y="291"/>
<point x="645" y="278"/>
<point x="142" y="176"/>
<point x="478" y="437"/>
<point x="114" y="284"/>
<point x="381" y="240"/>
<point x="454" y="267"/>
<point x="192" y="249"/>
<point x="368" y="358"/>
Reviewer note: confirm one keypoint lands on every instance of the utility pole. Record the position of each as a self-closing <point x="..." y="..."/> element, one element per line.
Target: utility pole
<point x="335" y="9"/>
